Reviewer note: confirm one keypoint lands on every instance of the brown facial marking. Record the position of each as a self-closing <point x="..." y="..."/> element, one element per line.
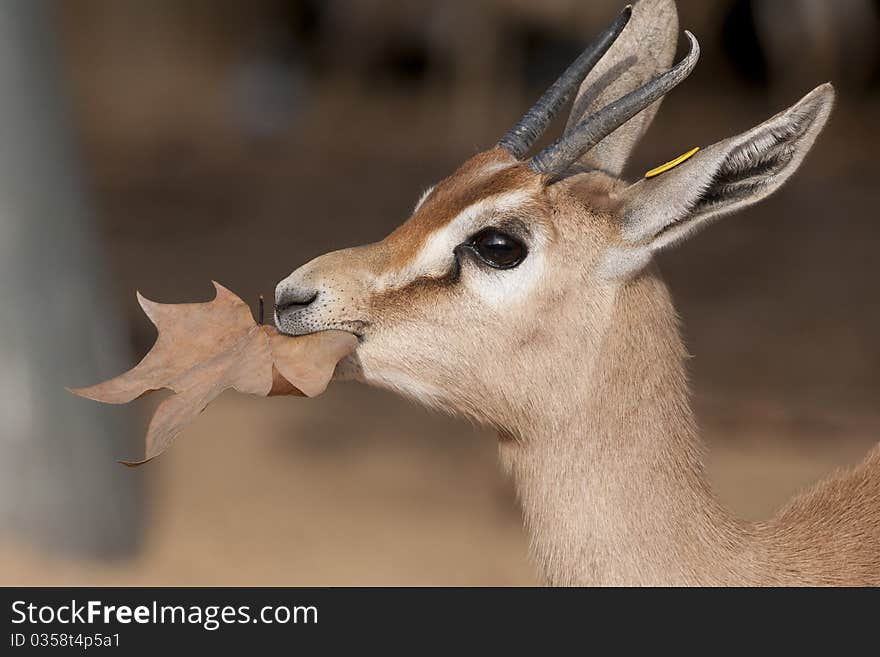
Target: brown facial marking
<point x="402" y="299"/>
<point x="486" y="174"/>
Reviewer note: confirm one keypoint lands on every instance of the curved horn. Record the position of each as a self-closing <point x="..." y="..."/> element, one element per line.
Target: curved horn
<point x="524" y="134"/>
<point x="562" y="153"/>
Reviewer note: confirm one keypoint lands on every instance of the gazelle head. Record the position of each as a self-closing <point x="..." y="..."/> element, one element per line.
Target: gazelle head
<point x="503" y="281"/>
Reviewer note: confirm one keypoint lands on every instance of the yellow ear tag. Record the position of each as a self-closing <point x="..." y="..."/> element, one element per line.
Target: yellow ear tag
<point x="663" y="168"/>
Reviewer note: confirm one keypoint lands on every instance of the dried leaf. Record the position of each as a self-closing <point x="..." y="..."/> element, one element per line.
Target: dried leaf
<point x="206" y="348"/>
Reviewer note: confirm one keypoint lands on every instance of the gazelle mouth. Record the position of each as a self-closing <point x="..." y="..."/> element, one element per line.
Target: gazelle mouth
<point x="355" y="327"/>
<point x="295" y="306"/>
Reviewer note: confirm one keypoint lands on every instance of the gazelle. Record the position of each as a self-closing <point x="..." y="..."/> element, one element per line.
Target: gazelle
<point x="521" y="293"/>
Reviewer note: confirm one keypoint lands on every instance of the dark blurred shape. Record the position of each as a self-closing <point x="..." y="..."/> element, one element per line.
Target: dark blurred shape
<point x="544" y="50"/>
<point x="59" y="483"/>
<point x="739" y="39"/>
<point x="811" y="40"/>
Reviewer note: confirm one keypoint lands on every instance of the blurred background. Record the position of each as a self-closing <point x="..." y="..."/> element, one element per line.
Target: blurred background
<point x="157" y="145"/>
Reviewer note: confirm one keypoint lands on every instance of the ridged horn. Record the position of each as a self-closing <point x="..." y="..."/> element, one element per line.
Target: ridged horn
<point x="565" y="151"/>
<point x="532" y="125"/>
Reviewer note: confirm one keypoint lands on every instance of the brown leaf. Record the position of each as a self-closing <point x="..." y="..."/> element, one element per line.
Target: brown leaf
<point x="206" y="348"/>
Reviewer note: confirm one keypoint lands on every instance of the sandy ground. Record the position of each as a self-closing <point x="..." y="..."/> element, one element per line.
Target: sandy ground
<point x="360" y="487"/>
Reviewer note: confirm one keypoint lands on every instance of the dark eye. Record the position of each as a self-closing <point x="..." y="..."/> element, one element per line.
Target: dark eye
<point x="497" y="249"/>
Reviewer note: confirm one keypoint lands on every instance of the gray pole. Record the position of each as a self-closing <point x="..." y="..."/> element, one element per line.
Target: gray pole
<point x="59" y="484"/>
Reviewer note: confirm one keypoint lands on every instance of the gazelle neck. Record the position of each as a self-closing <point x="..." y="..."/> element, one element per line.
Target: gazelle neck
<point x="613" y="491"/>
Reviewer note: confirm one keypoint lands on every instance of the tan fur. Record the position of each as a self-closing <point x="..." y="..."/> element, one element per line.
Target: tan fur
<point x="486" y="174"/>
<point x="585" y="380"/>
<point x="574" y="356"/>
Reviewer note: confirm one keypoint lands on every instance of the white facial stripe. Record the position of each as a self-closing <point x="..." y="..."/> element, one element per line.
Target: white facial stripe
<point x="425" y="194"/>
<point x="436" y="255"/>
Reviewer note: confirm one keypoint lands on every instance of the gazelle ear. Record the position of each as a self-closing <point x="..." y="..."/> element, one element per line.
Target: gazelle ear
<point x="644" y="50"/>
<point x="732" y="174"/>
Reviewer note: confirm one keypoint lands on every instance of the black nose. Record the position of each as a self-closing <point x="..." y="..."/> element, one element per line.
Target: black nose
<point x="292" y="300"/>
